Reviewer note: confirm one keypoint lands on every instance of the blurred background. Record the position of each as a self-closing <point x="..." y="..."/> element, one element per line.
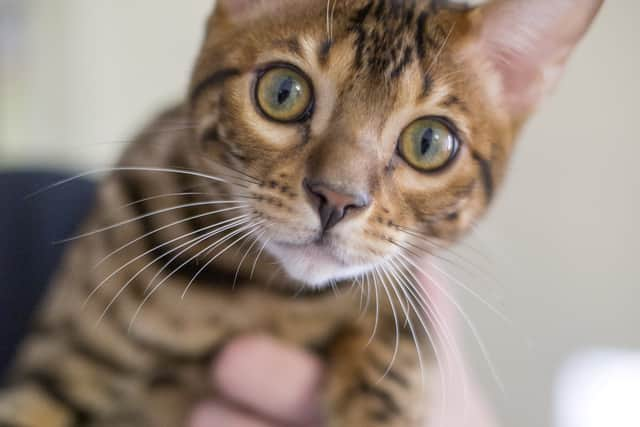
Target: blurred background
<point x="558" y="253"/>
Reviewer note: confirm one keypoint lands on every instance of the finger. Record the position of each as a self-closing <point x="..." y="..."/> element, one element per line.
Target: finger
<point x="463" y="391"/>
<point x="215" y="415"/>
<point x="438" y="294"/>
<point x="265" y="375"/>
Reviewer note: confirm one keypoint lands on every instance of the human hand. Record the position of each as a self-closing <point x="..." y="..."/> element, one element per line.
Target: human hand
<point x="264" y="384"/>
<point x="267" y="384"/>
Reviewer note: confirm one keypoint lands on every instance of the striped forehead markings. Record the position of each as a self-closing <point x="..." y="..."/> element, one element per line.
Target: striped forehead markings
<point x="389" y="36"/>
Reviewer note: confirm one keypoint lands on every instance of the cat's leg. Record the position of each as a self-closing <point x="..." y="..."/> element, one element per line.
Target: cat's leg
<point x="60" y="382"/>
<point x="364" y="389"/>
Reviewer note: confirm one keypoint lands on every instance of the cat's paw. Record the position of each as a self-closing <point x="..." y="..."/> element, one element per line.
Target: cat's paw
<point x="28" y="406"/>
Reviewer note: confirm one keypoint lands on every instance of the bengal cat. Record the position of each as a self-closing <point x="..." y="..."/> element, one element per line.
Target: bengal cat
<point x="322" y="145"/>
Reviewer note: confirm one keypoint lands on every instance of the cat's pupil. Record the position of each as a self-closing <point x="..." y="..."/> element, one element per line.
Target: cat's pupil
<point x="285" y="90"/>
<point x="427" y="141"/>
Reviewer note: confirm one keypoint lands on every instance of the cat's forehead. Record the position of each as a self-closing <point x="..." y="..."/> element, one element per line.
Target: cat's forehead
<point x="376" y="42"/>
<point x="390" y="35"/>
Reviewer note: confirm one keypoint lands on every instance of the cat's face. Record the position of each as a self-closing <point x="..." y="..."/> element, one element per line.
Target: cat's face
<point x="371" y="132"/>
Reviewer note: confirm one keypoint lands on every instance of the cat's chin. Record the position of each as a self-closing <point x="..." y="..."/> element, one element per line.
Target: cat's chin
<point x="314" y="265"/>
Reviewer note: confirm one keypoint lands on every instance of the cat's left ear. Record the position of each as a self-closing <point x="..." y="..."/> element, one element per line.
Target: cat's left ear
<point x="237" y="12"/>
<point x="527" y="42"/>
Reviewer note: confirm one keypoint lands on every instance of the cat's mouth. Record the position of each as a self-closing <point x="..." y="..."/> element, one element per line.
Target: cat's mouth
<point x="317" y="263"/>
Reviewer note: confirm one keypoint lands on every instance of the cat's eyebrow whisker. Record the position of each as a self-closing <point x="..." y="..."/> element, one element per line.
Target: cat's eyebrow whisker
<point x="150" y="214"/>
<point x="254" y="227"/>
<point x="150" y="251"/>
<point x="436" y="58"/>
<point x="328" y="18"/>
<point x="472" y="327"/>
<point x="99" y="171"/>
<point x="332" y="20"/>
<point x="452" y="73"/>
<point x="151" y="292"/>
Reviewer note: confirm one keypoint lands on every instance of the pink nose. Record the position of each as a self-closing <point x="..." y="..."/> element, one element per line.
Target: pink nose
<point x="332" y="205"/>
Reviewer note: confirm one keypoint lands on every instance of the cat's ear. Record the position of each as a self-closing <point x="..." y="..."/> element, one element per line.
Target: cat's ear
<point x="236" y="12"/>
<point x="527" y="42"/>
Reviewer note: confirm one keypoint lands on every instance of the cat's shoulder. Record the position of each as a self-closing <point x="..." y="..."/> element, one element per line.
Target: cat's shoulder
<point x="161" y="137"/>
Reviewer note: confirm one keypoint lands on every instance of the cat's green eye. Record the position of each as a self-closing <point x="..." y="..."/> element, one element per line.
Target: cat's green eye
<point x="284" y="94"/>
<point x="428" y="144"/>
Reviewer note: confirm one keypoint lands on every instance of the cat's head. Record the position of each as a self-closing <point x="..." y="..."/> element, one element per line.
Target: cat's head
<point x="371" y="130"/>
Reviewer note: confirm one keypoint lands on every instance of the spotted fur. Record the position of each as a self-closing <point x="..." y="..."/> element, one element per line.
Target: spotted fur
<point x="205" y="232"/>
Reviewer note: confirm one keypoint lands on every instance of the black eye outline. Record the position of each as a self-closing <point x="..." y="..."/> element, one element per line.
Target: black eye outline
<point x="262" y="71"/>
<point x="457" y="144"/>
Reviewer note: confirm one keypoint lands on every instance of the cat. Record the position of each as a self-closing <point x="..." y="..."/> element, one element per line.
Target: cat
<point x="322" y="145"/>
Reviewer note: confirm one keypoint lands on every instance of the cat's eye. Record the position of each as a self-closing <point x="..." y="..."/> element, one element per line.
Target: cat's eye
<point x="428" y="144"/>
<point x="284" y="94"/>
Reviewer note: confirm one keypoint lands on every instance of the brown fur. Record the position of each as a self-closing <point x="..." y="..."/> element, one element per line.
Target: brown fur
<point x="105" y="354"/>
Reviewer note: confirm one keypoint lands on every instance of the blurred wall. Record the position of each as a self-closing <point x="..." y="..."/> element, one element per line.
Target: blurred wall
<point x="85" y="75"/>
<point x="558" y="253"/>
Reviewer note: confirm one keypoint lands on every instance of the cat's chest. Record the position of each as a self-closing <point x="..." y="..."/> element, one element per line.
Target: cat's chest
<point x="191" y="324"/>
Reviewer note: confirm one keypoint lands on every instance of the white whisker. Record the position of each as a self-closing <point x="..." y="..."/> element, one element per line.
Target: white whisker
<point x="172" y="273"/>
<point x="255" y="262"/>
<point x="165" y="196"/>
<point x="191" y="218"/>
<point x="396" y="346"/>
<point x="408" y="320"/>
<point x="446" y="368"/>
<point x="255" y="227"/>
<point x="150" y="214"/>
<point x="467" y="320"/>
<point x="197" y="240"/>
<point x="244" y="257"/>
<point x="377" y="318"/>
<point x="125" y="169"/>
<point x="239" y="221"/>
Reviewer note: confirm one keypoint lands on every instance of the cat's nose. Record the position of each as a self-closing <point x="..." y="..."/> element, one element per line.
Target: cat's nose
<point x="334" y="205"/>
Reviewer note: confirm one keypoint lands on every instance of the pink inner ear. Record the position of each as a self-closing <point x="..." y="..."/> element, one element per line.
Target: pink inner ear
<point x="236" y="7"/>
<point x="238" y="10"/>
<point x="529" y="41"/>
